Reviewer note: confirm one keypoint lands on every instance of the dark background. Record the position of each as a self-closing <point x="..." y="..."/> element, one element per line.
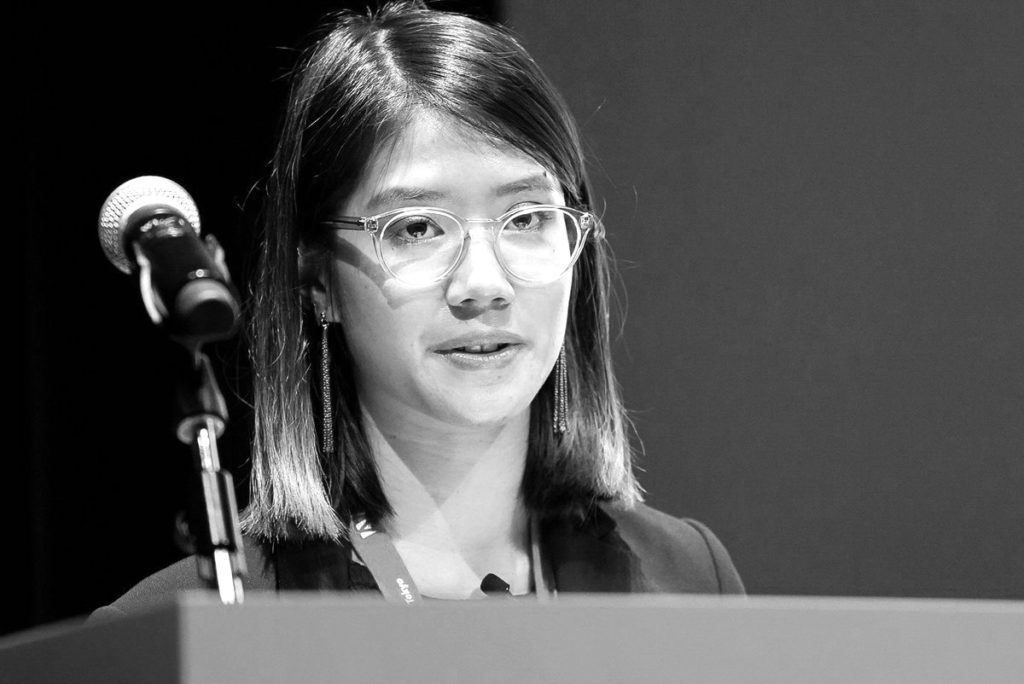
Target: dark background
<point x="817" y="209"/>
<point x="819" y="213"/>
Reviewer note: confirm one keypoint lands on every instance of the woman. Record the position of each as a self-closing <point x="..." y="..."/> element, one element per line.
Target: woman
<point x="434" y="396"/>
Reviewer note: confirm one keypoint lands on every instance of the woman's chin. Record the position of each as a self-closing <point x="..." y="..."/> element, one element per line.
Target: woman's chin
<point x="482" y="409"/>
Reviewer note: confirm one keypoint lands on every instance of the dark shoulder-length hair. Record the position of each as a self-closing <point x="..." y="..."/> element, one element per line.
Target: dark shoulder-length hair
<point x="355" y="88"/>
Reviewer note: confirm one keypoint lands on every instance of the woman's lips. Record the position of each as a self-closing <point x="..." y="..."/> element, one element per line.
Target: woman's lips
<point x="480" y="349"/>
<point x="492" y="355"/>
<point x="480" y="342"/>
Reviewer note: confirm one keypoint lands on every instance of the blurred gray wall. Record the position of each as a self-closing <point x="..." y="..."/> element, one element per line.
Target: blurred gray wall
<point x="817" y="209"/>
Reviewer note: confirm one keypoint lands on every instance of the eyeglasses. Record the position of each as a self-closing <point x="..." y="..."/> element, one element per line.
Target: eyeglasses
<point x="535" y="244"/>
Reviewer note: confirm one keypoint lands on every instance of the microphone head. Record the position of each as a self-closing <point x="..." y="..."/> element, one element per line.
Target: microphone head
<point x="133" y="203"/>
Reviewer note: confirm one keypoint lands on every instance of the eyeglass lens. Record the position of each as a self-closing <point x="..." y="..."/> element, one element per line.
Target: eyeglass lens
<point x="535" y="246"/>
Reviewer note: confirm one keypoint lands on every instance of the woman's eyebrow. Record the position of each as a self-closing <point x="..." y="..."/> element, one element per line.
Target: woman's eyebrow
<point x="540" y="182"/>
<point x="389" y="197"/>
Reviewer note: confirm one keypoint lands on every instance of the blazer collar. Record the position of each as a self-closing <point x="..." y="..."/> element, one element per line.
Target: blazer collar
<point x="590" y="556"/>
<point x="587" y="556"/>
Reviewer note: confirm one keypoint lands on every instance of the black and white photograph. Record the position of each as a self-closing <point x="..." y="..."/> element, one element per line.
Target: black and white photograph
<point x="510" y="340"/>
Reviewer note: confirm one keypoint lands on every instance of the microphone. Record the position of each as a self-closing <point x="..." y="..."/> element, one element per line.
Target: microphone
<point x="150" y="225"/>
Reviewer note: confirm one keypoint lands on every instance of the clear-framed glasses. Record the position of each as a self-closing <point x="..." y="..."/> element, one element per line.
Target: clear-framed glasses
<point x="535" y="244"/>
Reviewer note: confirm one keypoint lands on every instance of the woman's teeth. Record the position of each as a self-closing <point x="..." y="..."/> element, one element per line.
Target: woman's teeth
<point x="481" y="348"/>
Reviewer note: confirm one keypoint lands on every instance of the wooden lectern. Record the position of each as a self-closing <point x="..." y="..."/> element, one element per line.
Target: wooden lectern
<point x="312" y="638"/>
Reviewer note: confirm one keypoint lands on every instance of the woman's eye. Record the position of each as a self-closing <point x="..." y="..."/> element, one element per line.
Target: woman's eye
<point x="415" y="229"/>
<point x="527" y="222"/>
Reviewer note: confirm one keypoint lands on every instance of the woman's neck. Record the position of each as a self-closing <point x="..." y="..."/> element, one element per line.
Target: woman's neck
<point x="458" y="514"/>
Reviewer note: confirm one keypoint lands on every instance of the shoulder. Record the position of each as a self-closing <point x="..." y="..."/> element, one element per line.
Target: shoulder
<point x="163" y="585"/>
<point x="675" y="554"/>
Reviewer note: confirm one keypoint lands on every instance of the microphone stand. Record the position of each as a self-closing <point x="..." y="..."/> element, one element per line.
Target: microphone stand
<point x="150" y="226"/>
<point x="213" y="513"/>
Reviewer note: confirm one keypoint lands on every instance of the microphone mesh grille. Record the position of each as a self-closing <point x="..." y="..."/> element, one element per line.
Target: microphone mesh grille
<point x="154" y="192"/>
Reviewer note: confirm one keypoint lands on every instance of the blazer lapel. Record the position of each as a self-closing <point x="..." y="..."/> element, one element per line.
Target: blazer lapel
<point x="590" y="556"/>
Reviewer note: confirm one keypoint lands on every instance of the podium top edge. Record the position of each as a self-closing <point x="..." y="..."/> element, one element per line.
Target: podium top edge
<point x="201" y="601"/>
<point x="638" y="601"/>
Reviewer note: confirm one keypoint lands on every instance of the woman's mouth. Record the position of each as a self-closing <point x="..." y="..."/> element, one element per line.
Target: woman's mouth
<point x="482" y="355"/>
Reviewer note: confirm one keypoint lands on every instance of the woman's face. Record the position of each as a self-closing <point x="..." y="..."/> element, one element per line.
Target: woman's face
<point x="474" y="348"/>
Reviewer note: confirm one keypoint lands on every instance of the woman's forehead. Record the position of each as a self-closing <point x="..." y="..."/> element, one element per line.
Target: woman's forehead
<point x="434" y="159"/>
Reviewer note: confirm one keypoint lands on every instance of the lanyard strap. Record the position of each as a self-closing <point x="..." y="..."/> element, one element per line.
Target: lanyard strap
<point x="381" y="558"/>
<point x="543" y="577"/>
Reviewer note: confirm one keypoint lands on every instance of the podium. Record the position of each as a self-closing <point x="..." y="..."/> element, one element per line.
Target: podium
<point x="312" y="638"/>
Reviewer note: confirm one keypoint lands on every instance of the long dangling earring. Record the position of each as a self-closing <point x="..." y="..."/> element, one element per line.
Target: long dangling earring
<point x="561" y="394"/>
<point x="326" y="404"/>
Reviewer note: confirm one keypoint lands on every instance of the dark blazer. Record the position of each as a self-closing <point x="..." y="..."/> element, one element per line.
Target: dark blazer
<point x="636" y="551"/>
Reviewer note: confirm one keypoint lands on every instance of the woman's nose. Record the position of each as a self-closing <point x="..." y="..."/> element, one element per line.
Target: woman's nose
<point x="479" y="283"/>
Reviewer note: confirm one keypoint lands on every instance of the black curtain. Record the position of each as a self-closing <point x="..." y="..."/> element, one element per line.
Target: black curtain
<point x="97" y="478"/>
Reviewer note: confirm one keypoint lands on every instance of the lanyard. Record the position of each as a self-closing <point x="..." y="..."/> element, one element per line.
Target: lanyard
<point x="381" y="558"/>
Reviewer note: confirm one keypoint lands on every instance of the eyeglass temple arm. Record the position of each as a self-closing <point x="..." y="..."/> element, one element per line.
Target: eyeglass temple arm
<point x="346" y="223"/>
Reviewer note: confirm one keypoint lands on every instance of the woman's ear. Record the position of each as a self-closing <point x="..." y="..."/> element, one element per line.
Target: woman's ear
<point x="315" y="293"/>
